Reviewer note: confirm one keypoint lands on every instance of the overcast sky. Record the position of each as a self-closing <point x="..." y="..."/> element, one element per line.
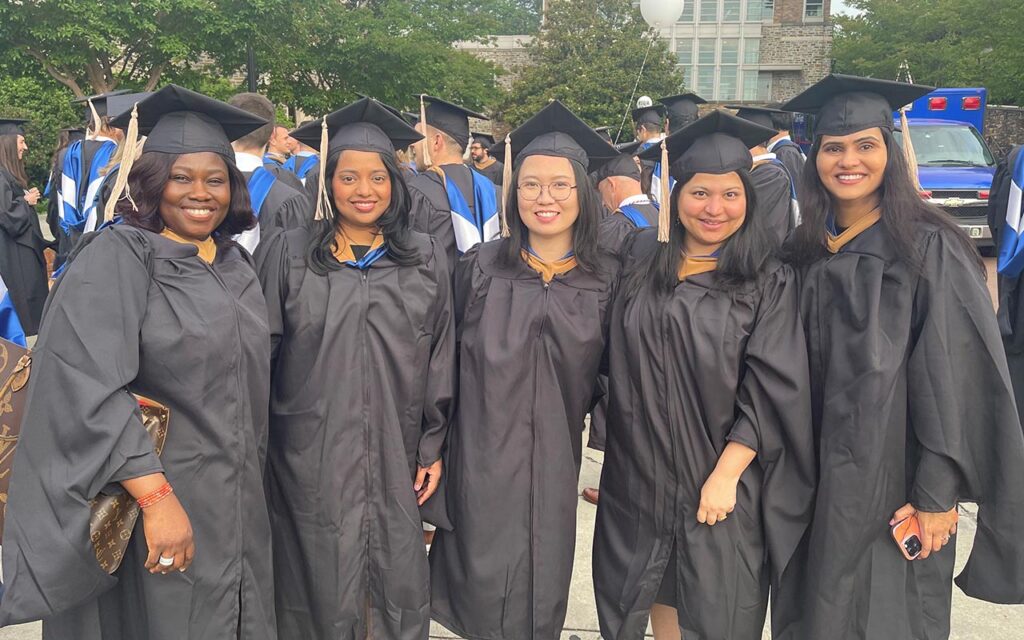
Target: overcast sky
<point x="839" y="6"/>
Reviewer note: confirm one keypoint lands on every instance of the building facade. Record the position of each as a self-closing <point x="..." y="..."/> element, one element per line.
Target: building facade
<point x="752" y="50"/>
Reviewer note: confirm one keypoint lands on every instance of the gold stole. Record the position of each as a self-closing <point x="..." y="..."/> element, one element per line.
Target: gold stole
<point x="343" y="250"/>
<point x="835" y="243"/>
<point x="481" y="167"/>
<point x="548" y="270"/>
<point x="696" y="266"/>
<point x="207" y="248"/>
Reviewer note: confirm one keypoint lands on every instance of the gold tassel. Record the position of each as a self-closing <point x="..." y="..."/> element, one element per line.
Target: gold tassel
<point x="322" y="206"/>
<point x="426" y="137"/>
<point x="129" y="153"/>
<point x="908" y="150"/>
<point x="97" y="123"/>
<point x="666" y="197"/>
<point x="506" y="186"/>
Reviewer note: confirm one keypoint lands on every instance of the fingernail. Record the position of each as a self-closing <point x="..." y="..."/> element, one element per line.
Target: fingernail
<point x="892" y="522"/>
<point x="416" y="487"/>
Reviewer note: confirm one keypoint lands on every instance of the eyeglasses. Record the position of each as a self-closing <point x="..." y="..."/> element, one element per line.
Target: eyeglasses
<point x="558" y="191"/>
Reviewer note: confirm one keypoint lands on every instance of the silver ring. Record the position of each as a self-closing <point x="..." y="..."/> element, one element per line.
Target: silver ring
<point x="165" y="562"/>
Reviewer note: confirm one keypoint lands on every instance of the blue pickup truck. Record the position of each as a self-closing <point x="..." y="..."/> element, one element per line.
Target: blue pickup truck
<point x="955" y="166"/>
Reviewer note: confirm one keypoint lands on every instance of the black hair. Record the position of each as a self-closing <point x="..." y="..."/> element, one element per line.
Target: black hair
<point x="584" y="230"/>
<point x="146" y="184"/>
<point x="740" y="259"/>
<point x="10" y="161"/>
<point x="395" y="223"/>
<point x="782" y="121"/>
<point x="900" y="204"/>
<point x="650" y="127"/>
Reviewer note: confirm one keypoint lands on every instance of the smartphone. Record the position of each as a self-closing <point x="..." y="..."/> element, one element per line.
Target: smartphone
<point x="907" y="534"/>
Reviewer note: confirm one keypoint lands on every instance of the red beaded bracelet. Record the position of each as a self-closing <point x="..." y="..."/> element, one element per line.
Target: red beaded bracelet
<point x="154" y="497"/>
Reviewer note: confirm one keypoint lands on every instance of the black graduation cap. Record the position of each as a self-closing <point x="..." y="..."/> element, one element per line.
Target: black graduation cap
<point x="757" y="115"/>
<point x="73" y="133"/>
<point x="847" y="104"/>
<point x="122" y="103"/>
<point x="486" y="140"/>
<point x="99" y="101"/>
<point x="628" y="147"/>
<point x="450" y="118"/>
<point x="604" y="133"/>
<point x="178" y="121"/>
<point x="718" y="143"/>
<point x="364" y="125"/>
<point x="649" y="115"/>
<point x="383" y="104"/>
<point x="411" y="118"/>
<point x="682" y="109"/>
<point x="556" y="131"/>
<point x="12" y="126"/>
<point x="623" y="164"/>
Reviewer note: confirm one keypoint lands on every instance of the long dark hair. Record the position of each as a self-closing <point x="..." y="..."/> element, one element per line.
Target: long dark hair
<point x="9" y="158"/>
<point x="584" y="230"/>
<point x="900" y="204"/>
<point x="146" y="184"/>
<point x="740" y="259"/>
<point x="394" y="224"/>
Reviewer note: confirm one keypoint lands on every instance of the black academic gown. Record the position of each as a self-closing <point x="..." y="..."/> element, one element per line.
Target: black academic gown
<point x="432" y="213"/>
<point x="529" y="356"/>
<point x="284" y="207"/>
<point x="22" y="264"/>
<point x="286" y="177"/>
<point x="612" y="234"/>
<point x="911" y="402"/>
<point x="774" y="199"/>
<point x="363" y="377"/>
<point x="1011" y="318"/>
<point x="61" y="241"/>
<point x="690" y="372"/>
<point x="791" y="156"/>
<point x="138" y="312"/>
<point x="493" y="172"/>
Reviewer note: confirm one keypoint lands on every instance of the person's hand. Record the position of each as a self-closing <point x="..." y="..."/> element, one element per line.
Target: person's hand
<point x="169" y="535"/>
<point x="427" y="479"/>
<point x="936" y="528"/>
<point x="717" y="498"/>
<point x="32" y="196"/>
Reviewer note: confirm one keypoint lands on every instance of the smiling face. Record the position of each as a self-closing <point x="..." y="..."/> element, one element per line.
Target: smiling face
<point x="852" y="167"/>
<point x="197" y="195"/>
<point x="22" y="146"/>
<point x="362" y="188"/>
<point x="711" y="208"/>
<point x="546" y="216"/>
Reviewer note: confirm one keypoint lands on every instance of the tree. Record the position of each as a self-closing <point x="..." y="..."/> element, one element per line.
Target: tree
<point x="588" y="56"/>
<point x="946" y="43"/>
<point x="95" y="47"/>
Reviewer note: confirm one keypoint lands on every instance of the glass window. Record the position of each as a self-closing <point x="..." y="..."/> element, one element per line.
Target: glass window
<point x="750" y="85"/>
<point x="768" y="11"/>
<point x="727" y="83"/>
<point x="684" y="50"/>
<point x="709" y="10"/>
<point x="814" y="8"/>
<point x="764" y="86"/>
<point x="730" y="51"/>
<point x="751" y="51"/>
<point x="730" y="10"/>
<point x="687" y="12"/>
<point x="754" y="11"/>
<point x="706" y="81"/>
<point x="706" y="51"/>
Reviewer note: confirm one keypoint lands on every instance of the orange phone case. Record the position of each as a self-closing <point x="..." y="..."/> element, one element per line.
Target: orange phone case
<point x="903" y="532"/>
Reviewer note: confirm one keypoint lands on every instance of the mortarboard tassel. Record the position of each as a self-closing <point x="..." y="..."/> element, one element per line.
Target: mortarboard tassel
<point x="666" y="197"/>
<point x="426" y="138"/>
<point x="321" y="195"/>
<point x="506" y="185"/>
<point x="128" y="155"/>
<point x="97" y="124"/>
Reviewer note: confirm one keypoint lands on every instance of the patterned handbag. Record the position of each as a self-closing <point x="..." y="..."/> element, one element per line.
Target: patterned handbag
<point x="113" y="517"/>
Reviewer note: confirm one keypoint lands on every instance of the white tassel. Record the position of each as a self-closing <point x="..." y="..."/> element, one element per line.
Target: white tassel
<point x="128" y="156"/>
<point x="322" y="206"/>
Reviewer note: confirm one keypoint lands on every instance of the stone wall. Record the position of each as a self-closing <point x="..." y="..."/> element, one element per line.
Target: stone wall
<point x="1004" y="128"/>
<point x="508" y="52"/>
<point x="791" y="12"/>
<point x="808" y="47"/>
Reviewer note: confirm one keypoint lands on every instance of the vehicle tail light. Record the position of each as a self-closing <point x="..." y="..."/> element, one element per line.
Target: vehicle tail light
<point x="926" y="195"/>
<point x="972" y="103"/>
<point x="983" y="195"/>
<point x="938" y="103"/>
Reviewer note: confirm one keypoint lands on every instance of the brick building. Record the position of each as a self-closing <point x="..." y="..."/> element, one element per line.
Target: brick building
<point x="752" y="50"/>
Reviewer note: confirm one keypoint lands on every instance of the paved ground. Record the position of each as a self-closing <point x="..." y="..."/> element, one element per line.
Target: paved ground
<point x="972" y="619"/>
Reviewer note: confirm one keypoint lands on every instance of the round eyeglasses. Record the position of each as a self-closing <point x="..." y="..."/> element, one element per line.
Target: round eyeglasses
<point x="558" y="191"/>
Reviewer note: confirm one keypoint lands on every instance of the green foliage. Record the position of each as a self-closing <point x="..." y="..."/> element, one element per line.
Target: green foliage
<point x="588" y="57"/>
<point x="947" y="43"/>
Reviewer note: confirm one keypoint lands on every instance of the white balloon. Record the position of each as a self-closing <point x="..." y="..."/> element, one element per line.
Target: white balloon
<point x="644" y="101"/>
<point x="661" y="13"/>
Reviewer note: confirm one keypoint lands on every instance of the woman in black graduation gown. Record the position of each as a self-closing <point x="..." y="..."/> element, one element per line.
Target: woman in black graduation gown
<point x="22" y="264"/>
<point x="532" y="318"/>
<point x="708" y="478"/>
<point x="363" y="375"/>
<point x="166" y="306"/>
<point x="911" y="399"/>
